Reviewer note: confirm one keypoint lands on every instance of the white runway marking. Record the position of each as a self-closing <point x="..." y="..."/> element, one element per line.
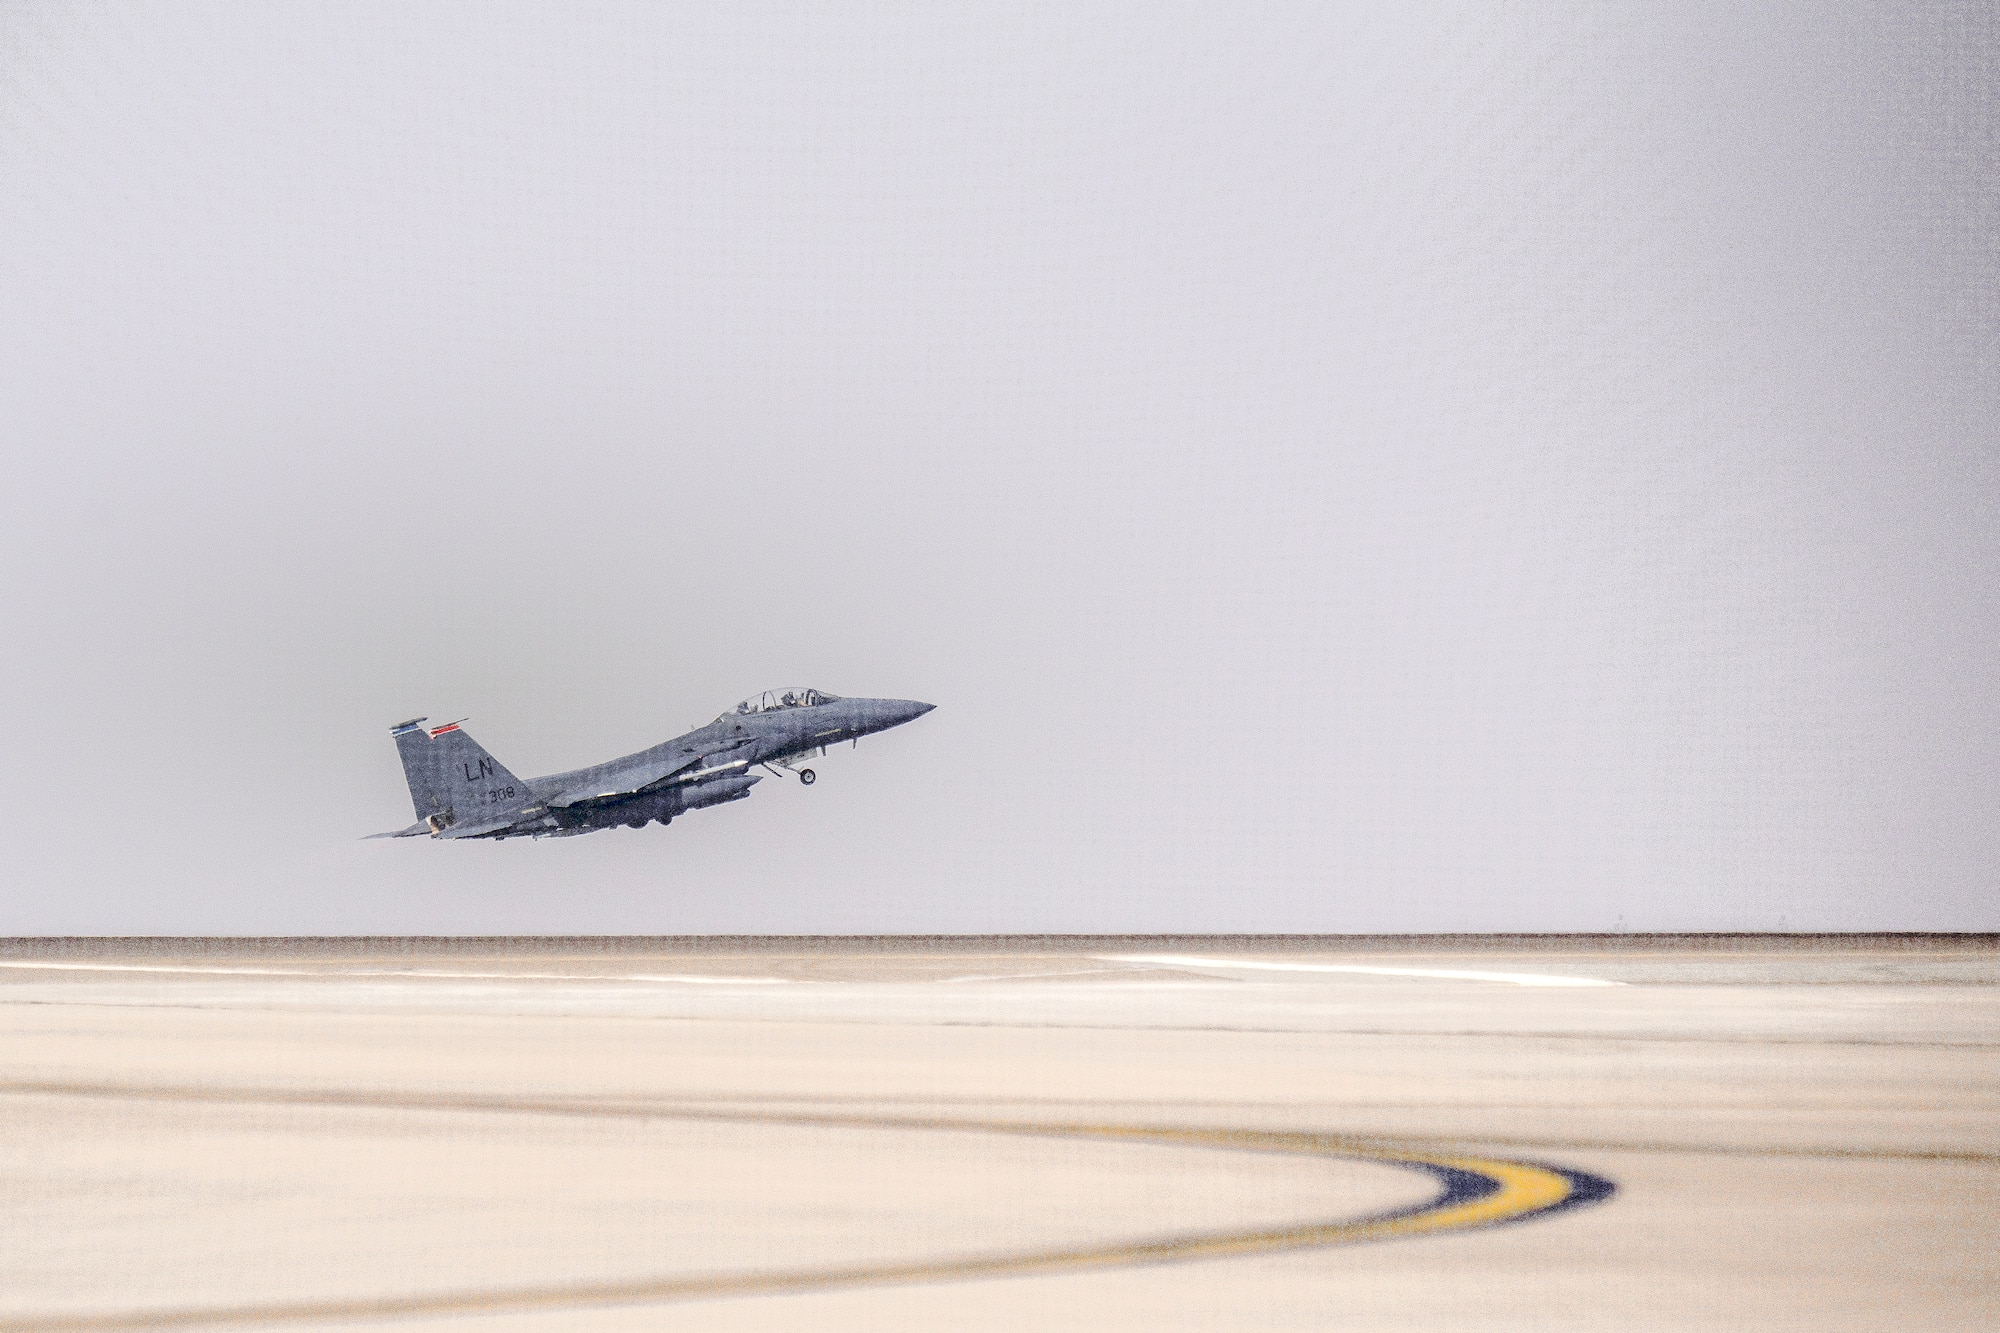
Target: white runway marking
<point x="1023" y="976"/>
<point x="1443" y="974"/>
<point x="419" y="974"/>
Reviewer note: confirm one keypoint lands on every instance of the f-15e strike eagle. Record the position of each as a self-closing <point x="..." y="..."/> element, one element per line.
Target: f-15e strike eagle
<point x="460" y="791"/>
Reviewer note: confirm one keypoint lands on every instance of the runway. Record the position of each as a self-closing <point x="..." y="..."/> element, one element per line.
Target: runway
<point x="1055" y="1133"/>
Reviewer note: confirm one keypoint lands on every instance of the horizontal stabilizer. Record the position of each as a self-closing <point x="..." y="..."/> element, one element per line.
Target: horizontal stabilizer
<point x="413" y="831"/>
<point x="482" y="826"/>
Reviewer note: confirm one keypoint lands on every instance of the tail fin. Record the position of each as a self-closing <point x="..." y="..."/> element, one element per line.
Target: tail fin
<point x="452" y="778"/>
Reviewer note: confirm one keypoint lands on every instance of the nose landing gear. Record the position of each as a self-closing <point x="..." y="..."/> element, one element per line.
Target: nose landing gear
<point x="807" y="776"/>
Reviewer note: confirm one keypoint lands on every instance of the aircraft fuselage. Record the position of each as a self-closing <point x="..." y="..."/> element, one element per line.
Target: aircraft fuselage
<point x="461" y="791"/>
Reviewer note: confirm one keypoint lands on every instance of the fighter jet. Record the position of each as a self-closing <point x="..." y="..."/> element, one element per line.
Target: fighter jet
<point x="460" y="791"/>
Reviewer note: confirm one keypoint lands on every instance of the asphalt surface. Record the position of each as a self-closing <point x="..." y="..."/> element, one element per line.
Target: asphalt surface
<point x="1058" y="1134"/>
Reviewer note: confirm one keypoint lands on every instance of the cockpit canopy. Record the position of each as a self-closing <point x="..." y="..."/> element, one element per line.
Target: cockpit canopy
<point x="770" y="701"/>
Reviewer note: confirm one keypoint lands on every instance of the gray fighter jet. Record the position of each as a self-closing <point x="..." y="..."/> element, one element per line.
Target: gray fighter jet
<point x="460" y="791"/>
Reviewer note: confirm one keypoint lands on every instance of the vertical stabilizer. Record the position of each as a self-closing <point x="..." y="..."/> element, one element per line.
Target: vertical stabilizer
<point x="452" y="778"/>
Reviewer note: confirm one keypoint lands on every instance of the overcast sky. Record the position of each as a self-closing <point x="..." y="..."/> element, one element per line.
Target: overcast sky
<point x="1335" y="468"/>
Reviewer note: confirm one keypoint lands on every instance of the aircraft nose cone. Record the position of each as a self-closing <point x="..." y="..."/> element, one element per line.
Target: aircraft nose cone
<point x="882" y="714"/>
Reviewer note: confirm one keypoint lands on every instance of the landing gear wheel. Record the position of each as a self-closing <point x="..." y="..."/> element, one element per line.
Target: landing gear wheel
<point x="807" y="776"/>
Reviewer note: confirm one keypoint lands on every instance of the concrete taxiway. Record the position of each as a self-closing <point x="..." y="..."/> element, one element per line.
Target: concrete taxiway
<point x="1500" y="1133"/>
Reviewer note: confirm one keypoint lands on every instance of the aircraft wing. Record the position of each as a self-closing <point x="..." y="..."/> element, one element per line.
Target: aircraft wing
<point x="615" y="782"/>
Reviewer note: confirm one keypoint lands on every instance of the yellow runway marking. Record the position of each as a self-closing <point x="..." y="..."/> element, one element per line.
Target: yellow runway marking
<point x="1475" y="1191"/>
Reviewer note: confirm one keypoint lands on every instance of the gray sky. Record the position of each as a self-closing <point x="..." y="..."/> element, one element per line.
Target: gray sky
<point x="1334" y="468"/>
